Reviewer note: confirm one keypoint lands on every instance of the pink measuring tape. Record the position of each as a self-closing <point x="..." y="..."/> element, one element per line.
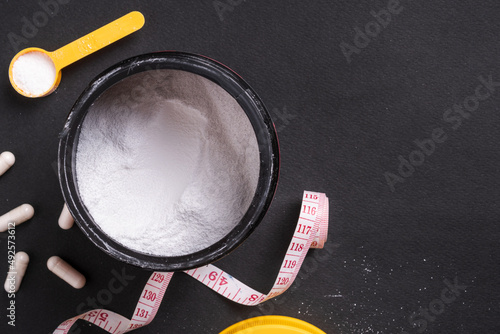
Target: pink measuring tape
<point x="311" y="232"/>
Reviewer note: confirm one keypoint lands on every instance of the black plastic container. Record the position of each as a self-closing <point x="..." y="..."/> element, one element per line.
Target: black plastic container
<point x="239" y="90"/>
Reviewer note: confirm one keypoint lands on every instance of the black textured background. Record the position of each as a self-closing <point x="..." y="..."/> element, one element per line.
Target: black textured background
<point x="342" y="125"/>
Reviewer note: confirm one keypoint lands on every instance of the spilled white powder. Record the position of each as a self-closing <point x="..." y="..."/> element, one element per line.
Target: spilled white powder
<point x="34" y="73"/>
<point x="170" y="169"/>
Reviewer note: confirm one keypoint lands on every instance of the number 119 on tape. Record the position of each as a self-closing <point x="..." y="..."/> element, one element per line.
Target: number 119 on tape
<point x="311" y="232"/>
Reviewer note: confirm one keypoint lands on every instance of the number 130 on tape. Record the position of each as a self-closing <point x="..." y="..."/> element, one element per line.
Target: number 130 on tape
<point x="311" y="232"/>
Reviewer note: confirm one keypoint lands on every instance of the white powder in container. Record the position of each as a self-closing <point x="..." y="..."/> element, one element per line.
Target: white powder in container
<point x="34" y="73"/>
<point x="169" y="171"/>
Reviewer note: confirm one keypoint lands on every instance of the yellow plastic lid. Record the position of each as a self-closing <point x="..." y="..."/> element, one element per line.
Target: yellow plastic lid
<point x="272" y="324"/>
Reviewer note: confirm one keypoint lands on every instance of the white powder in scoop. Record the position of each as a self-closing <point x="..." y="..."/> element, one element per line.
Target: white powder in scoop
<point x="34" y="73"/>
<point x="170" y="169"/>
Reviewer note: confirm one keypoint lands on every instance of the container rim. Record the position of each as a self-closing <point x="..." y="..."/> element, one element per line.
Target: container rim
<point x="232" y="83"/>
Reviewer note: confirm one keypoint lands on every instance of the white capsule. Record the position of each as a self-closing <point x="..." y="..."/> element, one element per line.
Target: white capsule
<point x="66" y="272"/>
<point x="7" y="159"/>
<point x="16" y="272"/>
<point x="16" y="216"/>
<point x="65" y="219"/>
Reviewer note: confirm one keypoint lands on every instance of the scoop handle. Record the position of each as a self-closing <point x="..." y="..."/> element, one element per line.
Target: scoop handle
<point x="97" y="39"/>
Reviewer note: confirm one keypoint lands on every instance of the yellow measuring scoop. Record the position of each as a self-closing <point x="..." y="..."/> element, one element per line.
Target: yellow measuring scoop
<point x="34" y="72"/>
